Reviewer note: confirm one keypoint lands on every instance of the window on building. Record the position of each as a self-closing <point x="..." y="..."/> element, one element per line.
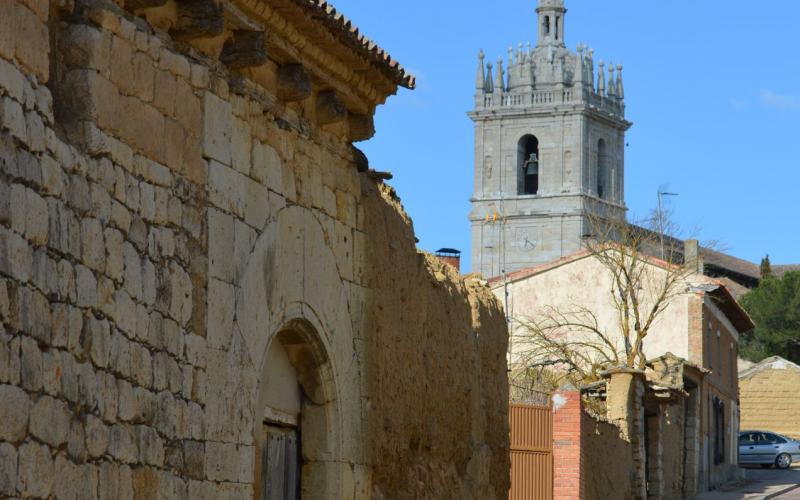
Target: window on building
<point x="602" y="169"/>
<point x="719" y="430"/>
<point x="558" y="23"/>
<point x="546" y="25"/>
<point x="708" y="354"/>
<point x="528" y="165"/>
<point x="732" y="367"/>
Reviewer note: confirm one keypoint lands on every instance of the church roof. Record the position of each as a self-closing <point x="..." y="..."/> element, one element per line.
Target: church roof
<point x="780" y="270"/>
<point x="349" y="34"/>
<point x="731" y="263"/>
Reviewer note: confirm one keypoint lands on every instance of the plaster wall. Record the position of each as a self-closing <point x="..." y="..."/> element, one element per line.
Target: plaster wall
<point x="587" y="283"/>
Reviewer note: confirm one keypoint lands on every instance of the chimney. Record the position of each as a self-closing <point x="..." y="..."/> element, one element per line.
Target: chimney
<point x="692" y="258"/>
<point x="450" y="256"/>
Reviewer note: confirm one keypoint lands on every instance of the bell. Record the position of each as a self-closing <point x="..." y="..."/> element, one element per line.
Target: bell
<point x="532" y="165"/>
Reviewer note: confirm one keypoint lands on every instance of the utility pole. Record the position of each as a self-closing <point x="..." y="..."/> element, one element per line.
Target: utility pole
<point x="503" y="221"/>
<point x="661" y="194"/>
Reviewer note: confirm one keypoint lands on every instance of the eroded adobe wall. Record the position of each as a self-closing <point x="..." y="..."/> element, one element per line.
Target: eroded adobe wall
<point x="437" y="337"/>
<point x="161" y="219"/>
<point x="608" y="459"/>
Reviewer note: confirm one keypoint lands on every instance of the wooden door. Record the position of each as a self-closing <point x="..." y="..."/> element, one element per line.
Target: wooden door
<point x="281" y="463"/>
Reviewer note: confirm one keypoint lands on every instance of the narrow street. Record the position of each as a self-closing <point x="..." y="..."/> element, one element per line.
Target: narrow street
<point x="762" y="484"/>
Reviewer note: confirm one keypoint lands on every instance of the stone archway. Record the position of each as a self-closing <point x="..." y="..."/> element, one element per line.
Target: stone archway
<point x="297" y="428"/>
<point x="291" y="291"/>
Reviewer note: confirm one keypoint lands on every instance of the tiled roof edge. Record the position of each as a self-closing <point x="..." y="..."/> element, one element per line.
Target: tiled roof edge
<point x="349" y="34"/>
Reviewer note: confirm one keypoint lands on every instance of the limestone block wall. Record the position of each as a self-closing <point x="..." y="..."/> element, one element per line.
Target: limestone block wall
<point x="768" y="397"/>
<point x="163" y="220"/>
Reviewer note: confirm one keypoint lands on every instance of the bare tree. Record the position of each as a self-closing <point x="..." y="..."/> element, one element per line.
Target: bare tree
<point x="570" y="339"/>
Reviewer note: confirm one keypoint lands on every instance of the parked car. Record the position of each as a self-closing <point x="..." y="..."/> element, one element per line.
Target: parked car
<point x="767" y="449"/>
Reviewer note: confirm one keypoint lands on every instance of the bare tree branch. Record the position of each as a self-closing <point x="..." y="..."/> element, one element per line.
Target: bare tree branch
<point x="569" y="340"/>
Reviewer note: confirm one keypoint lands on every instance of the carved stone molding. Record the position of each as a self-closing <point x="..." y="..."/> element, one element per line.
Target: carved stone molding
<point x="330" y="108"/>
<point x="294" y="83"/>
<point x="244" y="49"/>
<point x="362" y="127"/>
<point x="198" y="19"/>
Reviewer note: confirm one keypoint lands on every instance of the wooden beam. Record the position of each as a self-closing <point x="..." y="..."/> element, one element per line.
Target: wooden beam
<point x="244" y="49"/>
<point x="294" y="83"/>
<point x="198" y="19"/>
<point x="330" y="108"/>
<point x="362" y="127"/>
<point x="143" y="4"/>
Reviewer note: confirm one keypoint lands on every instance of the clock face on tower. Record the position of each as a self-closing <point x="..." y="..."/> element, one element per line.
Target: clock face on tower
<point x="526" y="239"/>
<point x="528" y="242"/>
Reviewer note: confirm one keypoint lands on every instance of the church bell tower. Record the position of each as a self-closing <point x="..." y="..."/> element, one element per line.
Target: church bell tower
<point x="549" y="149"/>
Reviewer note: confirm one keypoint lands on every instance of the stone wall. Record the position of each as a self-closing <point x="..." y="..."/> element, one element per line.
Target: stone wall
<point x="165" y="221"/>
<point x="769" y="400"/>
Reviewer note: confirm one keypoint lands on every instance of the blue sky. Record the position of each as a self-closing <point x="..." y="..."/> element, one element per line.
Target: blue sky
<point x="712" y="86"/>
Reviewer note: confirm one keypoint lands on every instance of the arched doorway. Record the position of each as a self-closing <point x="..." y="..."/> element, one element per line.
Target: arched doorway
<point x="296" y="427"/>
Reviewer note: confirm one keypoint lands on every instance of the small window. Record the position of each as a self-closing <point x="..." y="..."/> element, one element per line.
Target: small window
<point x="558" y="22"/>
<point x="719" y="430"/>
<point x="546" y="25"/>
<point x="732" y="368"/>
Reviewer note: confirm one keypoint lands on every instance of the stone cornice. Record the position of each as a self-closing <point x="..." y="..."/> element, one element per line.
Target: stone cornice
<point x="258" y="37"/>
<point x="295" y="37"/>
<point x="556" y="111"/>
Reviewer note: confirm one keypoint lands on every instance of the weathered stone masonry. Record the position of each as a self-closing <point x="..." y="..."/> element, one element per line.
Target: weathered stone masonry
<point x="179" y="197"/>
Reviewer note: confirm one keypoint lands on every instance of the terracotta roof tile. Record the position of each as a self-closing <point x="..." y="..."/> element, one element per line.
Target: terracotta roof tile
<point x="349" y="34"/>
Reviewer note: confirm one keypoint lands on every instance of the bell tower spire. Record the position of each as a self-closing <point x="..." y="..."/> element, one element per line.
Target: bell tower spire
<point x="551" y="23"/>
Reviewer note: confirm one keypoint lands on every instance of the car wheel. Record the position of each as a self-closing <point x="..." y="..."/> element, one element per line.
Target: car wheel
<point x="784" y="461"/>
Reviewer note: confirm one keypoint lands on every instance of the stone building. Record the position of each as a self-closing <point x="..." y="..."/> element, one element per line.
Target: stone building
<point x="550" y="129"/>
<point x="204" y="292"/>
<point x="549" y="149"/>
<point x="768" y="395"/>
<point x="692" y="347"/>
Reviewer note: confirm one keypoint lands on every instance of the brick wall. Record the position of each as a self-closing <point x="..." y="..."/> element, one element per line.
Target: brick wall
<point x="568" y="474"/>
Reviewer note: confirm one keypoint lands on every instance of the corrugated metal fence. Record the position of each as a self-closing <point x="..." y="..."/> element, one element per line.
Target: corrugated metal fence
<point x="531" y="452"/>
